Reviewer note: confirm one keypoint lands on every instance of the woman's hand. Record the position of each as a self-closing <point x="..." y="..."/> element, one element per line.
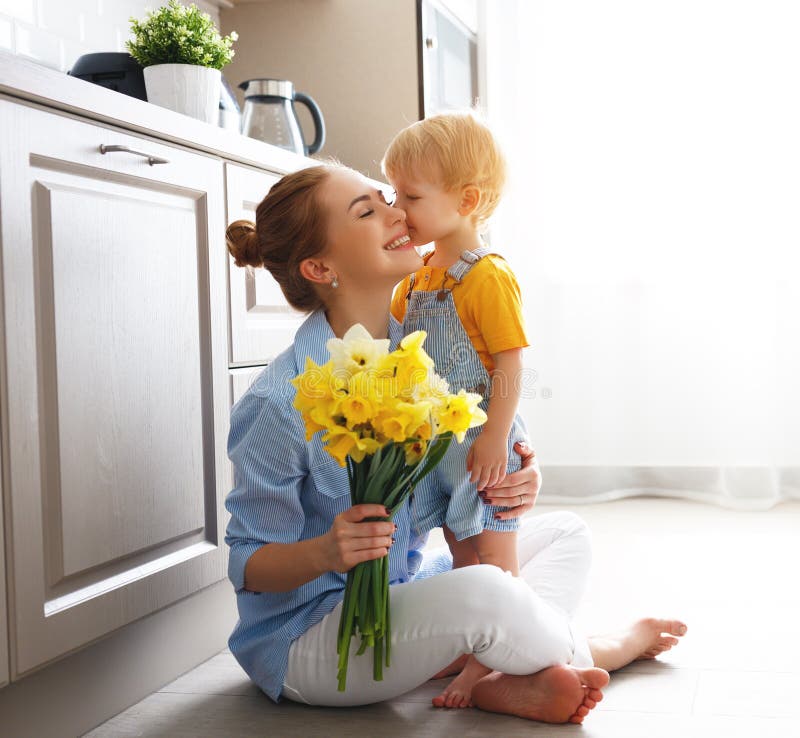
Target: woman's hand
<point x="517" y="491"/>
<point x="351" y="541"/>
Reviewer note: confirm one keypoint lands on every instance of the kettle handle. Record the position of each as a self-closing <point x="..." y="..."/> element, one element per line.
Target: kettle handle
<point x="319" y="123"/>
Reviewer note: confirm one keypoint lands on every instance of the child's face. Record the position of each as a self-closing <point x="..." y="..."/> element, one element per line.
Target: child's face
<point x="432" y="212"/>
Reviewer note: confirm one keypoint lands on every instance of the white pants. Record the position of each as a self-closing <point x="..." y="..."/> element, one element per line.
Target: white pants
<point x="516" y="626"/>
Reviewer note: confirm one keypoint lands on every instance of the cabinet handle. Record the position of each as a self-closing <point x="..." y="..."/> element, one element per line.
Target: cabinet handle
<point x="150" y="159"/>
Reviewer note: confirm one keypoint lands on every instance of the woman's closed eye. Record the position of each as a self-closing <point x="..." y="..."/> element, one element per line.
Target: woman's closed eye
<point x="386" y="198"/>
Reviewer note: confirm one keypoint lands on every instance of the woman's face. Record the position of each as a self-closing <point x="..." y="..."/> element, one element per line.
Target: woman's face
<point x="368" y="242"/>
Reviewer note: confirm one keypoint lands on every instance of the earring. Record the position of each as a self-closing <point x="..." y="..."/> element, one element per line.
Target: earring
<point x="335" y="282"/>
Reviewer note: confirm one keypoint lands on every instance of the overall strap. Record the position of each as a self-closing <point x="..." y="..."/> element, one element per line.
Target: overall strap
<point x="466" y="261"/>
<point x="411" y="281"/>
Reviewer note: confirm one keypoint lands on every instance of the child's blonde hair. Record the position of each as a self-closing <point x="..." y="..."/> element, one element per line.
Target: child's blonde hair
<point x="463" y="150"/>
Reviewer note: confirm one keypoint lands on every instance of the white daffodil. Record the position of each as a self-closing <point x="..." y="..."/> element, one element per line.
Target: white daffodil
<point x="438" y="388"/>
<point x="358" y="350"/>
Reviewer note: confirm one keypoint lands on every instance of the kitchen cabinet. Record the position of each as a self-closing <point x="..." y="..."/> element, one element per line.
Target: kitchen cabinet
<point x="116" y="392"/>
<point x="241" y="380"/>
<point x="262" y="322"/>
<point x="3" y="617"/>
<point x="449" y="56"/>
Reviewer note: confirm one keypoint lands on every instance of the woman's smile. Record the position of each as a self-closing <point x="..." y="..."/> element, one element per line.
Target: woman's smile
<point x="402" y="242"/>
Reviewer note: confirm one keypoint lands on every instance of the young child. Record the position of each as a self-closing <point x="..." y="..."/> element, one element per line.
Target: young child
<point x="449" y="173"/>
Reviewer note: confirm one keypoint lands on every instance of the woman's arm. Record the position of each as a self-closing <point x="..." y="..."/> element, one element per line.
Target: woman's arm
<point x="281" y="567"/>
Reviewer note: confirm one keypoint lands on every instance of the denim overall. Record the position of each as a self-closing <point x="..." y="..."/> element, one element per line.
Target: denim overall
<point x="446" y="494"/>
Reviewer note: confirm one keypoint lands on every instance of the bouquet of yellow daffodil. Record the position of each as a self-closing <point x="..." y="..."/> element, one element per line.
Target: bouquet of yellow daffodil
<point x="389" y="418"/>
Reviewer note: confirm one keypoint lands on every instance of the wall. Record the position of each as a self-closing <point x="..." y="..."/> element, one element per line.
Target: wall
<point x="356" y="58"/>
<point x="56" y="32"/>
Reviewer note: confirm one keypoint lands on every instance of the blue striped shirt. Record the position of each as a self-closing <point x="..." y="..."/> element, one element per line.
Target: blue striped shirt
<point x="288" y="490"/>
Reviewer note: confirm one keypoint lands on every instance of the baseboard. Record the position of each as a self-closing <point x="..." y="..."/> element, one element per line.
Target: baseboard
<point x="83" y="690"/>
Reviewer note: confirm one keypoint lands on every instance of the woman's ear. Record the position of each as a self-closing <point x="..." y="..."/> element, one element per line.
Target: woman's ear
<point x="470" y="199"/>
<point x="316" y="272"/>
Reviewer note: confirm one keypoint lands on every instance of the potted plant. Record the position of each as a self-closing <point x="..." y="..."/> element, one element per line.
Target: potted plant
<point x="181" y="52"/>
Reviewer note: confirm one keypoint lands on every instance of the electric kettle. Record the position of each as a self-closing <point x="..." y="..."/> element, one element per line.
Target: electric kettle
<point x="269" y="115"/>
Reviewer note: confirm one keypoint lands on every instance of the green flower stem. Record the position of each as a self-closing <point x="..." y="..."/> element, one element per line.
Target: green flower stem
<point x="387" y="631"/>
<point x="342" y="620"/>
<point x="383" y="479"/>
<point x="377" y="661"/>
<point x="377" y="594"/>
<point x="348" y="614"/>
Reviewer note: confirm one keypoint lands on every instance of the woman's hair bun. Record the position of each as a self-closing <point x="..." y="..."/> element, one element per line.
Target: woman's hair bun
<point x="243" y="243"/>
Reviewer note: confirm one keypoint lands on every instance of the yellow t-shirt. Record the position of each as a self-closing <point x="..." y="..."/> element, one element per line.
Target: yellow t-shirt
<point x="488" y="302"/>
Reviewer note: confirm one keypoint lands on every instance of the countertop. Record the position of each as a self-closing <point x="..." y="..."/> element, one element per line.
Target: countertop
<point x="27" y="80"/>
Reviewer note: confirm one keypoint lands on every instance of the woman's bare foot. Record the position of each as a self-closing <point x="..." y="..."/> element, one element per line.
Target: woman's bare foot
<point x="645" y="639"/>
<point x="459" y="691"/>
<point x="560" y="694"/>
<point x="454" y="668"/>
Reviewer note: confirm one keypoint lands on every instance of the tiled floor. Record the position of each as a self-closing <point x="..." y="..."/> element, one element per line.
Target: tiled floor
<point x="733" y="577"/>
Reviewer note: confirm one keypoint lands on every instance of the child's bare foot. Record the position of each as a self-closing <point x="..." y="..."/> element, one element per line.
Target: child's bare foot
<point x="560" y="694"/>
<point x="644" y="639"/>
<point x="459" y="691"/>
<point x="454" y="668"/>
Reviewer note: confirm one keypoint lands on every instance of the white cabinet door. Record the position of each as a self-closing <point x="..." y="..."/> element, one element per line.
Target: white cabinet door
<point x="242" y="379"/>
<point x="114" y="272"/>
<point x="3" y="600"/>
<point x="262" y="322"/>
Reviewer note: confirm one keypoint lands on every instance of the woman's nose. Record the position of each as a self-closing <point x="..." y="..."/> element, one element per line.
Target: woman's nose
<point x="396" y="213"/>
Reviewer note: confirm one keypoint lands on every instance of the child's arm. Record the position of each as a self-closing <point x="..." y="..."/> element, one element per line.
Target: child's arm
<point x="488" y="458"/>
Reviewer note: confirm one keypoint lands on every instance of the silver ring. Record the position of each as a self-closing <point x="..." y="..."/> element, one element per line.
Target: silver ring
<point x="521" y="500"/>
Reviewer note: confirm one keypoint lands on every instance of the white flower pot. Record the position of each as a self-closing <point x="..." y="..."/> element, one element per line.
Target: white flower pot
<point x="185" y="88"/>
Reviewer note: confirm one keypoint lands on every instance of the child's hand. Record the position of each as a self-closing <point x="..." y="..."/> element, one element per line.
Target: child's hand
<point x="487" y="460"/>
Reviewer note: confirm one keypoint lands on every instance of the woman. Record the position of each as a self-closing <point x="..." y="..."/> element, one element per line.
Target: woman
<point x="337" y="249"/>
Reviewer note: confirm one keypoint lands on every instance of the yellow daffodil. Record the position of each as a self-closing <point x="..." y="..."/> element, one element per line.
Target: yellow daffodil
<point x="313" y="385"/>
<point x="341" y="443"/>
<point x="415" y="450"/>
<point x="408" y="365"/>
<point x="357" y="410"/>
<point x="418" y="413"/>
<point x="424" y="431"/>
<point x="460" y="413"/>
<point x="411" y="346"/>
<point x="324" y="416"/>
<point x="391" y="425"/>
<point x="365" y="397"/>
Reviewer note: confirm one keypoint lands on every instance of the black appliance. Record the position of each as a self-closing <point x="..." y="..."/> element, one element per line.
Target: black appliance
<point x="116" y="71"/>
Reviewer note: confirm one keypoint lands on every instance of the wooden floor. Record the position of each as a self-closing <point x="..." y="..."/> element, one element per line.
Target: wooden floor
<point x="733" y="577"/>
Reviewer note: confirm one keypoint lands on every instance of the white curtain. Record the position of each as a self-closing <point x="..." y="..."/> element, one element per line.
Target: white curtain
<point x="653" y="219"/>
